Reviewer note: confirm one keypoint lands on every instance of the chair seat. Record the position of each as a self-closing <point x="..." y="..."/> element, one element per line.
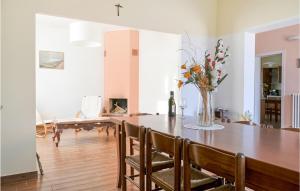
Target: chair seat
<point x="159" y="161"/>
<point x="226" y="187"/>
<point x="198" y="179"/>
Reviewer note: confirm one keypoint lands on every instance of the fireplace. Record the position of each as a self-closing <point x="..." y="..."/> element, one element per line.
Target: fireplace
<point x="118" y="105"/>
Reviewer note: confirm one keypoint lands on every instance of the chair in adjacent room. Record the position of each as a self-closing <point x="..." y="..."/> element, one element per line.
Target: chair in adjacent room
<point x="91" y="107"/>
<point x="42" y="125"/>
<point x="229" y="166"/>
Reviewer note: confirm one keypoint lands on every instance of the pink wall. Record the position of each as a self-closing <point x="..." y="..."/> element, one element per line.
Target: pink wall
<point x="276" y="41"/>
<point x="121" y="68"/>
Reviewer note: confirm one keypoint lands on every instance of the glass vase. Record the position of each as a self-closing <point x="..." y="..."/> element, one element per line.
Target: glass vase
<point x="205" y="109"/>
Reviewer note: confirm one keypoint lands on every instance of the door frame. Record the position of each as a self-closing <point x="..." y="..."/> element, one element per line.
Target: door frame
<point x="283" y="65"/>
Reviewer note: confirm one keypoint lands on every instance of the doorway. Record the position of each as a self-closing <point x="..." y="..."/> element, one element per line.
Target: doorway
<point x="269" y="88"/>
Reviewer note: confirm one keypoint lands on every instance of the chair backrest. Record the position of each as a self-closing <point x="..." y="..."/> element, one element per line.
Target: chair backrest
<point x="132" y="131"/>
<point x="167" y="144"/>
<point x="91" y="106"/>
<point x="231" y="167"/>
<point x="162" y="142"/>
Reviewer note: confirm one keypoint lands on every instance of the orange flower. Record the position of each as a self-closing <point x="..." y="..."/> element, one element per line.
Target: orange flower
<point x="187" y="75"/>
<point x="183" y="66"/>
<point x="180" y="83"/>
<point x="196" y="68"/>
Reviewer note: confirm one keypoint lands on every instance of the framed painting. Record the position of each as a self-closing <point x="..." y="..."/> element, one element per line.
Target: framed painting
<point x="51" y="60"/>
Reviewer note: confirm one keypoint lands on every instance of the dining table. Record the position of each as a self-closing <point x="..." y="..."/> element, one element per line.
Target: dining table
<point x="272" y="155"/>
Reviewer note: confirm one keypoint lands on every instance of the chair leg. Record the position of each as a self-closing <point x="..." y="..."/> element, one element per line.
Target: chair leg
<point x="131" y="153"/>
<point x="132" y="173"/>
<point x="39" y="164"/>
<point x="58" y="139"/>
<point x="77" y="130"/>
<point x="148" y="183"/>
<point x="123" y="171"/>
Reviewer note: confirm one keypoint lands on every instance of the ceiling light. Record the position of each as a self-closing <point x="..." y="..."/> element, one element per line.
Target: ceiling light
<point x="85" y="34"/>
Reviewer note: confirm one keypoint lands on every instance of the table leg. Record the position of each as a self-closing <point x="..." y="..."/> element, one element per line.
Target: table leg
<point x="56" y="134"/>
<point x="58" y="137"/>
<point x="118" y="140"/>
<point x="107" y="132"/>
<point x="54" y="130"/>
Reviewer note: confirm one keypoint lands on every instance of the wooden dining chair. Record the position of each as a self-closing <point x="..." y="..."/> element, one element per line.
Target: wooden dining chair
<point x="133" y="145"/>
<point x="137" y="162"/>
<point x="171" y="179"/>
<point x="230" y="167"/>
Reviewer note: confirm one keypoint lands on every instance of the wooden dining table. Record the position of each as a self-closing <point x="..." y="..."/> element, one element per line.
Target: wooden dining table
<point x="272" y="155"/>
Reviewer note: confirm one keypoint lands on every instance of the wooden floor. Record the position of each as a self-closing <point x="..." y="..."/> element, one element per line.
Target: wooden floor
<point x="83" y="161"/>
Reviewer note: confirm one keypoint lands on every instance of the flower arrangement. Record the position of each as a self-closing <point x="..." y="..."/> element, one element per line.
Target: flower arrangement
<point x="205" y="77"/>
<point x="247" y="116"/>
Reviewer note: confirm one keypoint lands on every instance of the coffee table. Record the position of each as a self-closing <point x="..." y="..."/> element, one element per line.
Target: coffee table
<point x="78" y="123"/>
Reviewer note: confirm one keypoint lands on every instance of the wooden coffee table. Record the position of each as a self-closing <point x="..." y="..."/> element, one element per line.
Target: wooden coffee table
<point x="78" y="123"/>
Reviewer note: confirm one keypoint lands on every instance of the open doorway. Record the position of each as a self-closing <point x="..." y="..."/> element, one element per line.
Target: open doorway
<point x="70" y="67"/>
<point x="269" y="88"/>
<point x="276" y="76"/>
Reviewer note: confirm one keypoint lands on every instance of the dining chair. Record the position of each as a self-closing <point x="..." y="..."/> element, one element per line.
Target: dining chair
<point x="229" y="166"/>
<point x="171" y="179"/>
<point x="269" y="108"/>
<point x="137" y="162"/>
<point x="133" y="145"/>
<point x="91" y="107"/>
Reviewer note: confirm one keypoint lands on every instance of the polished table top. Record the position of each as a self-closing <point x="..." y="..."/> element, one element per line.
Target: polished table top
<point x="273" y="146"/>
<point x="68" y="121"/>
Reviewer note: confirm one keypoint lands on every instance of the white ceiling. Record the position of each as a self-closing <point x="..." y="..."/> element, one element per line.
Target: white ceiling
<point x="45" y="20"/>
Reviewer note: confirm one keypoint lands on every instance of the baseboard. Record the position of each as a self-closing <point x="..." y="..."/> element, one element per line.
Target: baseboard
<point x="18" y="177"/>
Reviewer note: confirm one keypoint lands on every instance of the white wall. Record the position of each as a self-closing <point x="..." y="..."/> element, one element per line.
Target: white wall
<point x="18" y="88"/>
<point x="59" y="92"/>
<point x="159" y="60"/>
<point x="230" y="94"/>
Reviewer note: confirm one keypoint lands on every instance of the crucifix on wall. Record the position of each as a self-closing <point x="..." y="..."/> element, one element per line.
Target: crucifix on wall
<point x="118" y="6"/>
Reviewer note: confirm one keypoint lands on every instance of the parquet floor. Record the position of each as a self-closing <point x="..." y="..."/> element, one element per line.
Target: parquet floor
<point x="83" y="161"/>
